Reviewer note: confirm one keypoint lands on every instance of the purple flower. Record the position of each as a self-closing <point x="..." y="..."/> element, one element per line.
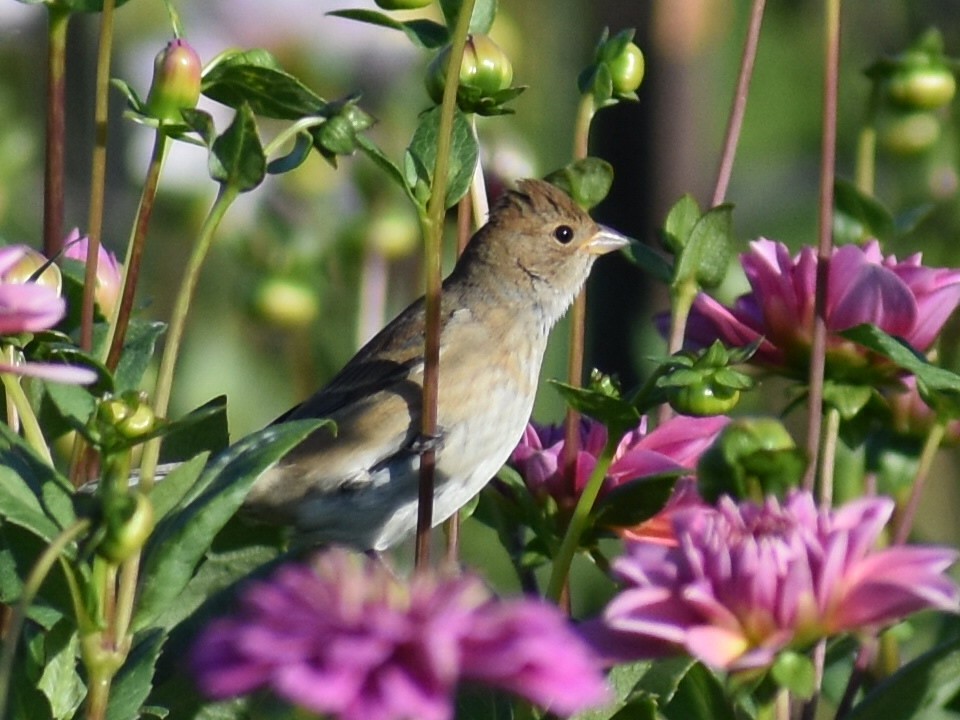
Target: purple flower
<point x="344" y="637"/>
<point x="746" y="581"/>
<point x="109" y="271"/>
<point x="675" y="445"/>
<point x="902" y="298"/>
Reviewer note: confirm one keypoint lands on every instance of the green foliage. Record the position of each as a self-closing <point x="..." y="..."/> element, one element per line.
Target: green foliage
<point x="587" y="181"/>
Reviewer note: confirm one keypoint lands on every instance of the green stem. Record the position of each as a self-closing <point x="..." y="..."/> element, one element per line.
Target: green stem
<point x="32" y="432"/>
<point x="58" y="19"/>
<point x="579" y="521"/>
<point x="171" y="349"/>
<point x="578" y="311"/>
<point x="134" y="255"/>
<point x="828" y="455"/>
<point x="98" y="173"/>
<point x="867" y="146"/>
<point x="681" y="300"/>
<point x="930" y="447"/>
<point x="433" y="233"/>
<point x="31" y="587"/>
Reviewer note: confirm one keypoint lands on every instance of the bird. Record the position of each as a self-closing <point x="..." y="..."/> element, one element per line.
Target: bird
<point x="355" y="483"/>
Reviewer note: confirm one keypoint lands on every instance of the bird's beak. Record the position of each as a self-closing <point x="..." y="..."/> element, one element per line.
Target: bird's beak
<point x="606" y="240"/>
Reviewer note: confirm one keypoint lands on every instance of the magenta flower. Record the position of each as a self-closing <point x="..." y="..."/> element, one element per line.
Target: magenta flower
<point x="902" y="298"/>
<point x="747" y="581"/>
<point x="346" y="638"/>
<point x="675" y="445"/>
<point x="109" y="271"/>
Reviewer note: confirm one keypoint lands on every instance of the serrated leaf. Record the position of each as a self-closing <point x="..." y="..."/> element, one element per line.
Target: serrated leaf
<point x="132" y="685"/>
<point x="254" y="78"/>
<point x="708" y="251"/>
<point x="60" y="682"/>
<point x="181" y="539"/>
<point x="425" y="34"/>
<point x="463" y="153"/>
<point x="236" y="157"/>
<point x="917" y="689"/>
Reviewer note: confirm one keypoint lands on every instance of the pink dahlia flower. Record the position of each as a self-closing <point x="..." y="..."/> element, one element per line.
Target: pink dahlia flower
<point x="345" y="638"/>
<point x="746" y="581"/>
<point x="109" y="271"/>
<point x="675" y="445"/>
<point x="902" y="298"/>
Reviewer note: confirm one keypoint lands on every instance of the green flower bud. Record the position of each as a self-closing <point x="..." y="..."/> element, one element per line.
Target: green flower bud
<point x="27" y="269"/>
<point x="176" y="82"/>
<point x="703" y="398"/>
<point x="127" y="527"/>
<point x="922" y="86"/>
<point x="752" y="458"/>
<point x="393" y="233"/>
<point x="119" y="419"/>
<point x="484" y="72"/>
<point x="285" y="303"/>
<point x="908" y="133"/>
<point x="626" y="70"/>
<point x="402" y="4"/>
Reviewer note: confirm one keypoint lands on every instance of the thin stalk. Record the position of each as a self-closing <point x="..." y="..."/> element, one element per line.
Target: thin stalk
<point x="178" y="319"/>
<point x="809" y="711"/>
<point x="681" y="300"/>
<point x="828" y="455"/>
<point x="98" y="173"/>
<point x="930" y="447"/>
<point x="828" y="161"/>
<point x="432" y="222"/>
<point x="32" y="432"/>
<point x="579" y="521"/>
<point x="865" y="655"/>
<point x="31" y="587"/>
<point x="478" y="187"/>
<point x="866" y="162"/>
<point x="58" y="19"/>
<point x="134" y="256"/>
<point x="739" y="109"/>
<point x="578" y="312"/>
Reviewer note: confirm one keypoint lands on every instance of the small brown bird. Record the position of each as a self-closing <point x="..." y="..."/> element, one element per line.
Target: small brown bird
<point x="358" y="485"/>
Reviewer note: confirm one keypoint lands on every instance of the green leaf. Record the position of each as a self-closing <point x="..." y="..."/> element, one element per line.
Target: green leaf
<point x="463" y="153"/>
<point x="293" y="159"/>
<point x="254" y="78"/>
<point x="425" y="34"/>
<point x="166" y="495"/>
<point x="484" y="13"/>
<point x="679" y="223"/>
<point x="858" y="216"/>
<point x="633" y="502"/>
<point x="32" y="494"/>
<point x="794" y="672"/>
<point x="379" y="158"/>
<point x="202" y="430"/>
<point x="236" y="156"/>
<point x="201" y="123"/>
<point x="699" y="696"/>
<point x="138" y="348"/>
<point x="651" y="261"/>
<point x="182" y="538"/>
<point x="587" y="181"/>
<point x="917" y="689"/>
<point x="60" y="682"/>
<point x="133" y="682"/>
<point x="614" y="412"/>
<point x="708" y="252"/>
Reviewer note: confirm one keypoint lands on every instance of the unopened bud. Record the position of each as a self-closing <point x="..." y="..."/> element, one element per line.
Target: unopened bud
<point x="176" y="81"/>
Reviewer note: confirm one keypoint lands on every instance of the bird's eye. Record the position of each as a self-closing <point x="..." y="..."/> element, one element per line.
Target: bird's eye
<point x="563" y="234"/>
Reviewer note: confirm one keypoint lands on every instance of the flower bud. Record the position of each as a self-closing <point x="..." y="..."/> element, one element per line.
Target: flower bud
<point x="703" y="398"/>
<point x="128" y="525"/>
<point x="176" y="82"/>
<point x="122" y="418"/>
<point x="922" y="86"/>
<point x="626" y="70"/>
<point x="24" y="266"/>
<point x="485" y="71"/>
<point x="908" y="133"/>
<point x="285" y="303"/>
<point x="752" y="458"/>
<point x="109" y="272"/>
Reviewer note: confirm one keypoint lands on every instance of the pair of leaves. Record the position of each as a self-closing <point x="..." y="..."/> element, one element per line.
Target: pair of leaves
<point x="857" y="217"/>
<point x="427" y="34"/>
<point x="702" y="242"/>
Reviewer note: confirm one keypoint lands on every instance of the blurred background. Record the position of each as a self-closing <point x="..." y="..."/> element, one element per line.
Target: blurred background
<point x="312" y="263"/>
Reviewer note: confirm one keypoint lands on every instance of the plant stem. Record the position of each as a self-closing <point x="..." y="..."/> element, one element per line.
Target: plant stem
<point x="433" y="234"/>
<point x="58" y="19"/>
<point x="681" y="300"/>
<point x="32" y="432"/>
<point x="579" y="521"/>
<point x="134" y="255"/>
<point x="930" y="447"/>
<point x="578" y="312"/>
<point x="867" y="146"/>
<point x="31" y="587"/>
<point x="828" y="455"/>
<point x="178" y="318"/>
<point x="828" y="160"/>
<point x="98" y="173"/>
<point x="739" y="109"/>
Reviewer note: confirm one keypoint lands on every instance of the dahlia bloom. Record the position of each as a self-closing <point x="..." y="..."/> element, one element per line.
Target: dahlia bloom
<point x="109" y="271"/>
<point x="746" y="581"/>
<point x="902" y="298"/>
<point x="344" y="637"/>
<point x="28" y="305"/>
<point x="676" y="445"/>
